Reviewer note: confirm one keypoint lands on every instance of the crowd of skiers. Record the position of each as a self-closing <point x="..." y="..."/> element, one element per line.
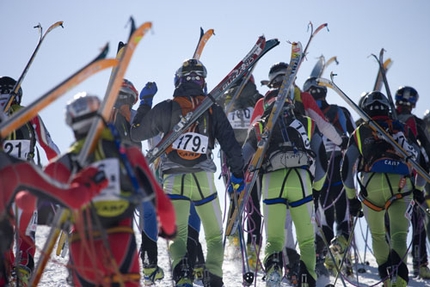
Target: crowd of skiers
<point x="321" y="170"/>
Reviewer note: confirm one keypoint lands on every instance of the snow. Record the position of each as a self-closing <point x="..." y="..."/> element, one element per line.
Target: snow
<point x="55" y="273"/>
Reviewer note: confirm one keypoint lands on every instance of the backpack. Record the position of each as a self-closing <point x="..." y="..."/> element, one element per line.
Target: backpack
<point x="195" y="143"/>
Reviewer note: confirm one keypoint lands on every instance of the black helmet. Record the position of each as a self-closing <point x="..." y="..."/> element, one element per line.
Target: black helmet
<point x="6" y="87"/>
<point x="277" y="73"/>
<point x="318" y="92"/>
<point x="407" y="96"/>
<point x="191" y="70"/>
<point x="375" y="104"/>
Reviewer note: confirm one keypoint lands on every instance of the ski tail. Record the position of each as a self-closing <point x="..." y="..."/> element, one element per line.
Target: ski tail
<point x="113" y="88"/>
<point x="318" y="68"/>
<point x="30" y="61"/>
<point x="378" y="82"/>
<point x="383" y="74"/>
<point x="31" y="110"/>
<point x="204" y="38"/>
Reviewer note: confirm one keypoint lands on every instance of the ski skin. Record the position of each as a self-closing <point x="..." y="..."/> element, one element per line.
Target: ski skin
<point x="30" y="61"/>
<point x="251" y="174"/>
<point x="374" y="126"/>
<point x="30" y="111"/>
<point x="260" y="48"/>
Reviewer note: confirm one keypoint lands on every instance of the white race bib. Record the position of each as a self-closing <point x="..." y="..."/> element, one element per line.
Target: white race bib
<point x="240" y="119"/>
<point x="192" y="142"/>
<point x="17" y="148"/>
<point x="110" y="166"/>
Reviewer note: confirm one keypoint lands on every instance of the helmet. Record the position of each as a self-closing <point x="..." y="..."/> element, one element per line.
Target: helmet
<point x="128" y="93"/>
<point x="80" y="112"/>
<point x="191" y="70"/>
<point x="276" y="71"/>
<point x="6" y="87"/>
<point x="362" y="96"/>
<point x="318" y="92"/>
<point x="407" y="96"/>
<point x="375" y="104"/>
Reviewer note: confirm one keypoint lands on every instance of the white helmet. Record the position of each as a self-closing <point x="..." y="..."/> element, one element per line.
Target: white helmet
<point x="80" y="112"/>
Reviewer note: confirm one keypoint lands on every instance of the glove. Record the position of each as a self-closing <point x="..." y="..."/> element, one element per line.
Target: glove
<point x="93" y="179"/>
<point x="419" y="196"/>
<point x="147" y="94"/>
<point x="344" y="143"/>
<point x="355" y="207"/>
<point x="236" y="184"/>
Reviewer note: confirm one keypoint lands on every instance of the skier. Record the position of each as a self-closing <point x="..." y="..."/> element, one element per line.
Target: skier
<point x="122" y="116"/>
<point x="304" y="104"/>
<point x="238" y="103"/>
<point x="188" y="169"/>
<point x="22" y="144"/>
<point x="386" y="186"/>
<point x="331" y="202"/>
<point x="295" y="145"/>
<point x="406" y="98"/>
<point x="102" y="244"/>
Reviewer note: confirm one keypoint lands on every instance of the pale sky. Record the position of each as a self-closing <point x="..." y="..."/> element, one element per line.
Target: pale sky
<point x="356" y="30"/>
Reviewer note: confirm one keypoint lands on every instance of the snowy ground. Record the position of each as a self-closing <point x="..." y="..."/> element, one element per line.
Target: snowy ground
<point x="55" y="273"/>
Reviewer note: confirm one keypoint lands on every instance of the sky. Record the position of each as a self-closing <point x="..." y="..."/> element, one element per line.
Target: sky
<point x="356" y="29"/>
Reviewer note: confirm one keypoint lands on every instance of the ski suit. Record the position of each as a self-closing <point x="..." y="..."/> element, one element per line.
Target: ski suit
<point x="102" y="243"/>
<point x="287" y="182"/>
<point x="386" y="184"/>
<point x="331" y="203"/>
<point x="239" y="114"/>
<point x="188" y="171"/>
<point x="22" y="144"/>
<point x="22" y="181"/>
<point x="419" y="249"/>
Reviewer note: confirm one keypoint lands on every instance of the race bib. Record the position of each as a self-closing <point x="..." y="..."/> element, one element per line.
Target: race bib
<point x="110" y="166"/>
<point x="240" y="119"/>
<point x="17" y="148"/>
<point x="192" y="142"/>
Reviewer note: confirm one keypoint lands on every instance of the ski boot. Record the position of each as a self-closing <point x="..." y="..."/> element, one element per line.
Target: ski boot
<point x="273" y="267"/>
<point x="21" y="276"/>
<point x="253" y="260"/>
<point x="305" y="279"/>
<point x="183" y="274"/>
<point x="198" y="272"/>
<point x="292" y="268"/>
<point x="338" y="247"/>
<point x="320" y="267"/>
<point x="212" y="280"/>
<point x="151" y="274"/>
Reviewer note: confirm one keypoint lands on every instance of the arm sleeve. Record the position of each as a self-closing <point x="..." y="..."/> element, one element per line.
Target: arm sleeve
<point x="44" y="138"/>
<point x="347" y="169"/>
<point x="314" y="112"/>
<point x="318" y="148"/>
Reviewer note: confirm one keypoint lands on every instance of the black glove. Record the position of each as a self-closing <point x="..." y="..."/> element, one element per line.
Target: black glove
<point x="344" y="143"/>
<point x="419" y="196"/>
<point x="355" y="207"/>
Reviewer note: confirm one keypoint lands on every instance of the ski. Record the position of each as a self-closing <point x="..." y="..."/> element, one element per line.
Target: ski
<point x="321" y="65"/>
<point x="30" y="61"/>
<point x="251" y="174"/>
<point x="204" y="37"/>
<point x="125" y="54"/>
<point x="378" y="83"/>
<point x="25" y="114"/>
<point x="260" y="48"/>
<point x="383" y="74"/>
<point x="235" y="211"/>
<point x="377" y="128"/>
